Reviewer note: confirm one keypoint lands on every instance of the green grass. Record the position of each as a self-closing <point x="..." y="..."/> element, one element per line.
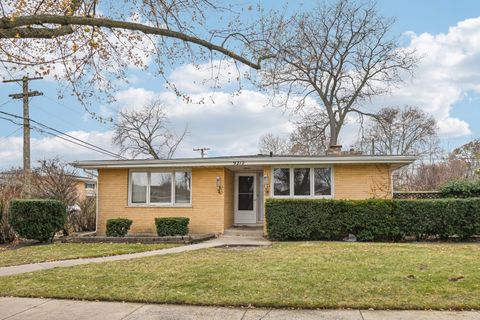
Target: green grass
<point x="65" y="251"/>
<point x="306" y="275"/>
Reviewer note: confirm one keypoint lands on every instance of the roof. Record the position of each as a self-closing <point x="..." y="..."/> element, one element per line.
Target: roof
<point x="259" y="159"/>
<point x="85" y="179"/>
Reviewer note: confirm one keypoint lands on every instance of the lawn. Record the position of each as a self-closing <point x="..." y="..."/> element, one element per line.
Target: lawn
<point x="306" y="275"/>
<point x="65" y="251"/>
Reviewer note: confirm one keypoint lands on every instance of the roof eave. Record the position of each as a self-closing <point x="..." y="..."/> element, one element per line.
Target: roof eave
<point x="329" y="160"/>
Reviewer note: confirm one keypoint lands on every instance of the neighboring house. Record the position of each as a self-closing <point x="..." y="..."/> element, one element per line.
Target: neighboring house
<point x="86" y="187"/>
<point x="220" y="192"/>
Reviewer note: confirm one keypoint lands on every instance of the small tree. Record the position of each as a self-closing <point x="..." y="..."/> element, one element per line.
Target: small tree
<point x="54" y="179"/>
<point x="470" y="153"/>
<point x="87" y="218"/>
<point x="146" y="132"/>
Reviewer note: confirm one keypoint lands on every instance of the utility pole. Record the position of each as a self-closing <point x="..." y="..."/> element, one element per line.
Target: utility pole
<point x="202" y="151"/>
<point x="25" y="95"/>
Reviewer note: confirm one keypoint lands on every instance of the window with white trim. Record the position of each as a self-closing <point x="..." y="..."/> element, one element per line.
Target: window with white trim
<point x="302" y="182"/>
<point x="160" y="187"/>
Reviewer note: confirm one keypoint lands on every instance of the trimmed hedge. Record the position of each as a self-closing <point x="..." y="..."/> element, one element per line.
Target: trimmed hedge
<point x="118" y="227"/>
<point x="37" y="219"/>
<point x="172" y="226"/>
<point x="461" y="189"/>
<point x="371" y="220"/>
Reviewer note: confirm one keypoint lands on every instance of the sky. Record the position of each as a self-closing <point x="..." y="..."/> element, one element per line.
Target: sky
<point x="446" y="84"/>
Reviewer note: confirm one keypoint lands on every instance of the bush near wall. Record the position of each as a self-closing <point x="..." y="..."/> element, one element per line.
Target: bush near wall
<point x="461" y="189"/>
<point x="37" y="219"/>
<point x="172" y="226"/>
<point x="371" y="220"/>
<point x="118" y="227"/>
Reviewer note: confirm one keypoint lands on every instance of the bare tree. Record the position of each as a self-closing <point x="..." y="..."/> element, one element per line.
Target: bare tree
<point x="338" y="54"/>
<point x="470" y="153"/>
<point x="308" y="138"/>
<point x="400" y="131"/>
<point x="427" y="177"/>
<point x="146" y="132"/>
<point x="273" y="143"/>
<point x="92" y="42"/>
<point x="54" y="179"/>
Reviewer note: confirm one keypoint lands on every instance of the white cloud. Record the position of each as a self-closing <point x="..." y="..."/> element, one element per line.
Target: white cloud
<point x="200" y="78"/>
<point x="448" y="72"/>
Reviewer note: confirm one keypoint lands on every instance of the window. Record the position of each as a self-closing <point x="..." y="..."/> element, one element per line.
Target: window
<point x="305" y="182"/>
<point x="322" y="179"/>
<point x="89" y="185"/>
<point x="301" y="180"/>
<point x="139" y="187"/>
<point x="182" y="187"/>
<point x="281" y="182"/>
<point x="160" y="188"/>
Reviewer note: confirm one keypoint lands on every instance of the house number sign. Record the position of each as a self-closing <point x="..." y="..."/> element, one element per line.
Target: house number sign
<point x="238" y="163"/>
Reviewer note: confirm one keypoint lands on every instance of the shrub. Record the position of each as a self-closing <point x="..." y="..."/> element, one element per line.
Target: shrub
<point x="118" y="227"/>
<point x="371" y="220"/>
<point x="321" y="219"/>
<point x="461" y="189"/>
<point x="439" y="217"/>
<point x="37" y="219"/>
<point x="172" y="226"/>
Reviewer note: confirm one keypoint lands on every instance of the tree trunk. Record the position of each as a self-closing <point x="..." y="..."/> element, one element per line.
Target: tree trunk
<point x="333" y="133"/>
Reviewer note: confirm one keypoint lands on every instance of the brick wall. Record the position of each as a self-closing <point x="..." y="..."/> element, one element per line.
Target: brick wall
<point x="362" y="181"/>
<point x="206" y="213"/>
<point x="229" y="187"/>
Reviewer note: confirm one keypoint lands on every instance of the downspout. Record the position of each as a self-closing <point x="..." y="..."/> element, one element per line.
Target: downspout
<point x="97" y="190"/>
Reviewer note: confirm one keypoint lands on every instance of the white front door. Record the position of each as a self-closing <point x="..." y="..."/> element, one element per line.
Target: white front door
<point x="245" y="198"/>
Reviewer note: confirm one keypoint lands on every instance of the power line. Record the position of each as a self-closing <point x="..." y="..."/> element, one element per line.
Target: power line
<point x="42" y="131"/>
<point x="100" y="149"/>
<point x="13" y="132"/>
<point x="5" y="103"/>
<point x="81" y="145"/>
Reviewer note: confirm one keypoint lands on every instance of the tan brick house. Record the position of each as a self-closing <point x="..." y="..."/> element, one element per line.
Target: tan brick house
<point x="220" y="192"/>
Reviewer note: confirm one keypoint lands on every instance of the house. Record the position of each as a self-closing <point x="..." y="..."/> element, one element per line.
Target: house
<point x="86" y="187"/>
<point x="220" y="192"/>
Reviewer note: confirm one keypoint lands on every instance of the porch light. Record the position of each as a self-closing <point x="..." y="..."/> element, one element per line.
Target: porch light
<point x="266" y="183"/>
<point x="218" y="184"/>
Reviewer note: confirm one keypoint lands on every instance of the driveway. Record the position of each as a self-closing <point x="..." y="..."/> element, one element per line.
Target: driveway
<point x="43" y="309"/>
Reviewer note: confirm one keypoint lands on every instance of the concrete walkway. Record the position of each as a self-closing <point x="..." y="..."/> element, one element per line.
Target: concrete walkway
<point x="218" y="242"/>
<point x="43" y="309"/>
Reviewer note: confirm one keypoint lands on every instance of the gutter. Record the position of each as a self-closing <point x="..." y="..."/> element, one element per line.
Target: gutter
<point x="402" y="160"/>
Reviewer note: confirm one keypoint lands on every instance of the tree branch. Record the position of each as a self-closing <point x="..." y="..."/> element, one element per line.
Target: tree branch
<point x="20" y="27"/>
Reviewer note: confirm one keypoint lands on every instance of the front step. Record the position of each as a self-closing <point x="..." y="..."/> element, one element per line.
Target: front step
<point x="244" y="232"/>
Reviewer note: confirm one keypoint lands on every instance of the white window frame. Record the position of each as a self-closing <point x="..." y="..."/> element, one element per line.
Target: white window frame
<point x="156" y="204"/>
<point x="312" y="182"/>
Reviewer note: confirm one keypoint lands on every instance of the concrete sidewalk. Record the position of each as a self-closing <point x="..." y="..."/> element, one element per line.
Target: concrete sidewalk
<point x="218" y="242"/>
<point x="43" y="309"/>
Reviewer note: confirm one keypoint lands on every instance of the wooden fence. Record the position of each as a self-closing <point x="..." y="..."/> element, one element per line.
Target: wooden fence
<point x="417" y="195"/>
